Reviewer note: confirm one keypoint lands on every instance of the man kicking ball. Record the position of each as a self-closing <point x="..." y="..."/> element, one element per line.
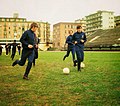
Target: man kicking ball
<point x="28" y="44"/>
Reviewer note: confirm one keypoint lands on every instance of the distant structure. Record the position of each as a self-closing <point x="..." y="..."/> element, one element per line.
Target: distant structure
<point x="108" y="39"/>
<point x="15" y="15"/>
<point x="82" y="22"/>
<point x="11" y="28"/>
<point x="117" y="21"/>
<point x="60" y="33"/>
<point x="91" y="24"/>
<point x="99" y="20"/>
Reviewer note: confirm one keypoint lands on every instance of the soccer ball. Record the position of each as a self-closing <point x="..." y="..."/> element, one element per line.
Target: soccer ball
<point x="66" y="70"/>
<point x="82" y="65"/>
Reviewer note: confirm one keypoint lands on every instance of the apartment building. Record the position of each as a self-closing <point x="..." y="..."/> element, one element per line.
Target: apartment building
<point x="60" y="33"/>
<point x="117" y="21"/>
<point x="99" y="20"/>
<point x="11" y="28"/>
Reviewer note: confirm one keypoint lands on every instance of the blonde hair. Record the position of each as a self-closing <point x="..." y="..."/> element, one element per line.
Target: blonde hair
<point x="70" y="31"/>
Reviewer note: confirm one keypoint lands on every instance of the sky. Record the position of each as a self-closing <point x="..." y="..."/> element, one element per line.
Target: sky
<point x="55" y="11"/>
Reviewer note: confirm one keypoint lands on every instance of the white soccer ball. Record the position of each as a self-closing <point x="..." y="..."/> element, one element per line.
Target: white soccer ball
<point x="66" y="70"/>
<point x="82" y="65"/>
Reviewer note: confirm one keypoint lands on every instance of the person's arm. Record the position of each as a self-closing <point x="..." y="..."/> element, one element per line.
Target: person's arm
<point x="73" y="39"/>
<point x="68" y="40"/>
<point x="24" y="38"/>
<point x="84" y="39"/>
<point x="36" y="41"/>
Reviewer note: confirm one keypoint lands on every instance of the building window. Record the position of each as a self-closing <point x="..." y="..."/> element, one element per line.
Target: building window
<point x="3" y="19"/>
<point x="58" y="43"/>
<point x="68" y="26"/>
<point x="7" y="19"/>
<point x="65" y="31"/>
<point x="71" y="26"/>
<point x="11" y="20"/>
<point x="65" y="26"/>
<point x="23" y="29"/>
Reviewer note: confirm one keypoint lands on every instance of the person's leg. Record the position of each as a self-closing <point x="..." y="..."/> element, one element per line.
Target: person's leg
<point x="34" y="62"/>
<point x="73" y="56"/>
<point x="25" y="55"/>
<point x="82" y="55"/>
<point x="13" y="55"/>
<point x="67" y="54"/>
<point x="29" y="65"/>
<point x="22" y="61"/>
<point x="79" y="64"/>
<point x="35" y="56"/>
<point x="78" y="54"/>
<point x="6" y="51"/>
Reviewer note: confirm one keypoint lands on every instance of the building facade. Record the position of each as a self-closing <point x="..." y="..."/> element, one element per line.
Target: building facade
<point x="117" y="21"/>
<point x="60" y="33"/>
<point x="12" y="29"/>
<point x="99" y="20"/>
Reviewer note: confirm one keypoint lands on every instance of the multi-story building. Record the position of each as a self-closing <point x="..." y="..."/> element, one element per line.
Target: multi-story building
<point x="117" y="21"/>
<point x="60" y="33"/>
<point x="82" y="22"/>
<point x="13" y="27"/>
<point x="99" y="20"/>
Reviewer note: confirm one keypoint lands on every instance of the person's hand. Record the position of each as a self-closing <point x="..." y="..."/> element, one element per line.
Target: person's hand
<point x="30" y="46"/>
<point x="36" y="46"/>
<point x="75" y="42"/>
<point x="82" y="41"/>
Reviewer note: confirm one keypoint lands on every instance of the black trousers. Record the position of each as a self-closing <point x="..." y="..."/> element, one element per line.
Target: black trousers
<point x="72" y="50"/>
<point x="13" y="54"/>
<point x="27" y="54"/>
<point x="80" y="55"/>
<point x="35" y="56"/>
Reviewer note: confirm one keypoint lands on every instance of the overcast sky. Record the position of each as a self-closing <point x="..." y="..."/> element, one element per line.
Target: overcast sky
<point x="54" y="11"/>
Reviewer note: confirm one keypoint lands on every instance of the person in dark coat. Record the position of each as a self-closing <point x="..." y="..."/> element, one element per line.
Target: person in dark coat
<point x="28" y="44"/>
<point x="79" y="38"/>
<point x="19" y="49"/>
<point x="36" y="49"/>
<point x="71" y="47"/>
<point x="1" y="50"/>
<point x="14" y="45"/>
<point x="7" y="49"/>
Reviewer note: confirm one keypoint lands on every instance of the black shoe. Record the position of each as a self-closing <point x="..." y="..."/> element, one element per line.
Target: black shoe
<point x="14" y="63"/>
<point x="25" y="77"/>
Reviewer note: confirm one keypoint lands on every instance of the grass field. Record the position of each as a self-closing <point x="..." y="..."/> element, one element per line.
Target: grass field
<point x="97" y="85"/>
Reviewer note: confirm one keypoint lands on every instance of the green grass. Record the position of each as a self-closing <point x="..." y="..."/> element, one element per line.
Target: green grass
<point x="97" y="85"/>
